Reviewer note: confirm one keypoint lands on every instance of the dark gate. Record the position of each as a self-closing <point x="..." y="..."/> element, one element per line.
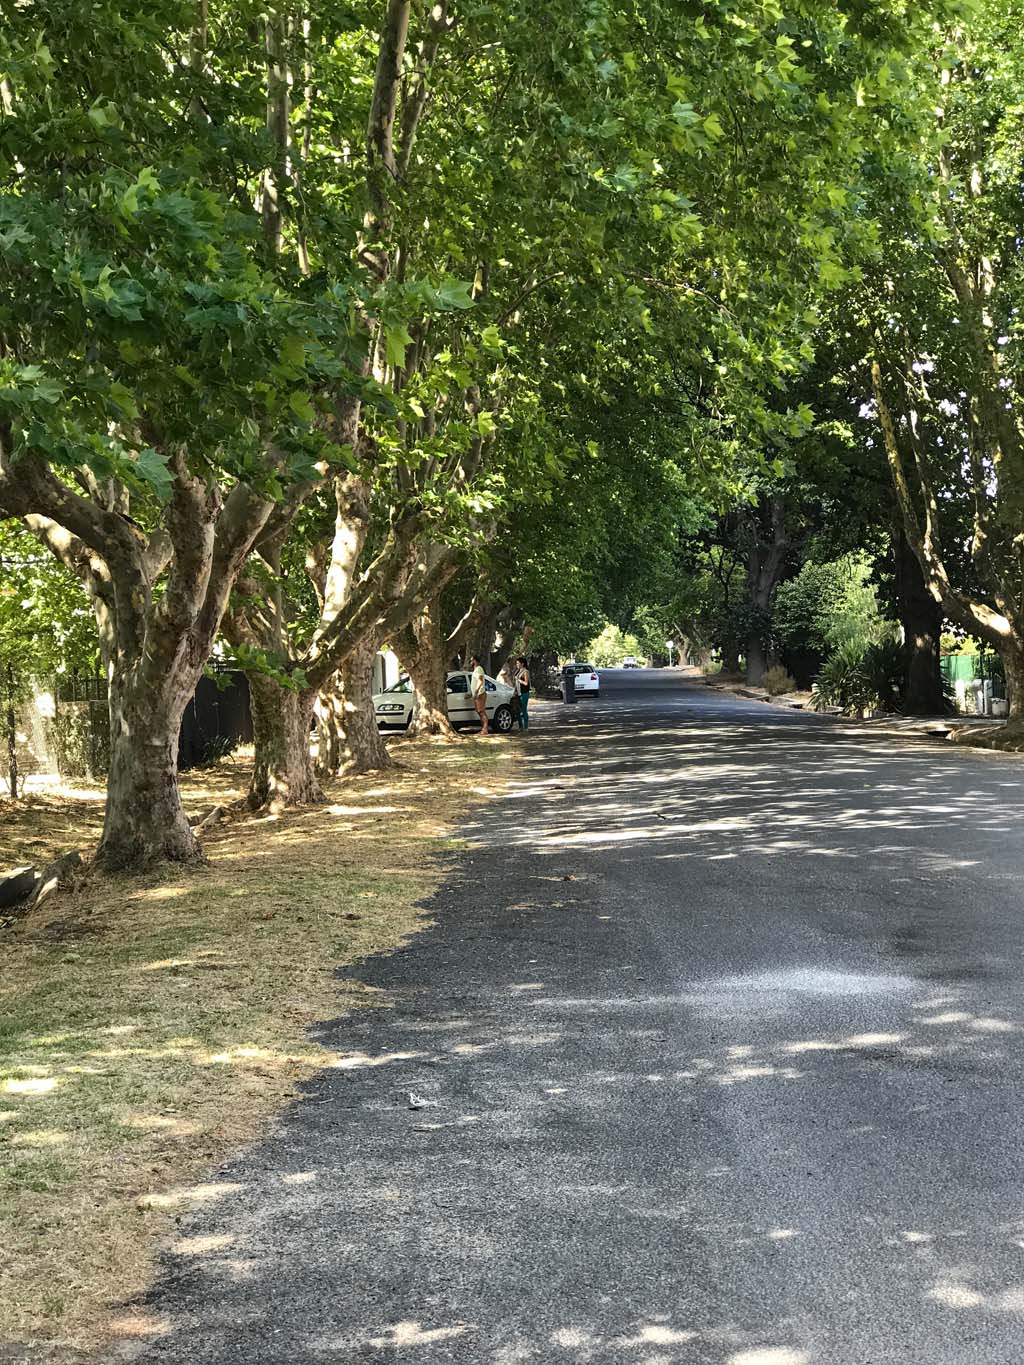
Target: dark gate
<point x="216" y="720"/>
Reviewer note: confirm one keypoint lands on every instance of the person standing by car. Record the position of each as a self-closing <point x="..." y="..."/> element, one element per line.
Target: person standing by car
<point x="522" y="683"/>
<point x="478" y="691"/>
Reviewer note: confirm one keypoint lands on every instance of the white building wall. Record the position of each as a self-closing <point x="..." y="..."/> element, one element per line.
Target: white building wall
<point x="386" y="669"/>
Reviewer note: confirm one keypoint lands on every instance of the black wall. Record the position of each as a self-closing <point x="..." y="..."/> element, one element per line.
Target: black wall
<point x="216" y="716"/>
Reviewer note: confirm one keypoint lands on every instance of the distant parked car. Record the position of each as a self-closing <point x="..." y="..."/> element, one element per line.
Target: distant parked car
<point x="630" y="662"/>
<point x="587" y="680"/>
<point x="394" y="706"/>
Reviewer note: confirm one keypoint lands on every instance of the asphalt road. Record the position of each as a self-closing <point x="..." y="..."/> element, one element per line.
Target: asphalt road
<point x="720" y="1031"/>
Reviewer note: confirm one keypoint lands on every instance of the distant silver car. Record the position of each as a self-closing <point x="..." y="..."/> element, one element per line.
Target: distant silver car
<point x="630" y="661"/>
<point x="394" y="706"/>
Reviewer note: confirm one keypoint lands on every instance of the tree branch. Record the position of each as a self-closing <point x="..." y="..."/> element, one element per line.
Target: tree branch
<point x="416" y="98"/>
<point x="975" y="617"/>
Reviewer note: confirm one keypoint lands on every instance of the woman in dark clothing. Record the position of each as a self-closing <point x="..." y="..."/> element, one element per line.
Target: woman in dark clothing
<point x="522" y="684"/>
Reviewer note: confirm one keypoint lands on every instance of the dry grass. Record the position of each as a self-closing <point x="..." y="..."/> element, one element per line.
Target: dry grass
<point x="150" y="1027"/>
<point x="1007" y="738"/>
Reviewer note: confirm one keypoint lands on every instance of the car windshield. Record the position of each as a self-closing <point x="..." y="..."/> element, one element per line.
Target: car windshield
<point x="403" y="685"/>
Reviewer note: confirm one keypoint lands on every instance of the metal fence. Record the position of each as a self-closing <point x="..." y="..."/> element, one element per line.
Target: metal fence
<point x="63" y="727"/>
<point x="976" y="681"/>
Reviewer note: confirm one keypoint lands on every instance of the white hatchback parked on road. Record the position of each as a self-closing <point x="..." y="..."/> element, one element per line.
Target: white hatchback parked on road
<point x="587" y="679"/>
<point x="394" y="707"/>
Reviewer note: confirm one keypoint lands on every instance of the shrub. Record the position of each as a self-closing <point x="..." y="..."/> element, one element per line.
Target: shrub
<point x="885" y="670"/>
<point x="215" y="748"/>
<point x="776" y="681"/>
<point x="858" y="677"/>
<point x="842" y="681"/>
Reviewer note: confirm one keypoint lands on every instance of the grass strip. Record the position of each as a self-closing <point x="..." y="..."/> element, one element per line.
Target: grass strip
<point x="151" y="1027"/>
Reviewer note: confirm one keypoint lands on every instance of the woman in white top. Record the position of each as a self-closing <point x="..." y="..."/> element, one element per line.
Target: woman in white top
<point x="478" y="691"/>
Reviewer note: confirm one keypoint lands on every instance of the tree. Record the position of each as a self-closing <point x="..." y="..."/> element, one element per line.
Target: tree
<point x="944" y="369"/>
<point x="133" y="281"/>
<point x="608" y="649"/>
<point x="366" y="258"/>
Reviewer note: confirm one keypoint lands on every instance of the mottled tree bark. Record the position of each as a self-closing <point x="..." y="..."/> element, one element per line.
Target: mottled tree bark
<point x="1001" y="625"/>
<point x="283" y="768"/>
<point x="144" y="821"/>
<point x="921" y="618"/>
<point x="730" y="659"/>
<point x="154" y="646"/>
<point x="11" y="727"/>
<point x="766" y="546"/>
<point x="1013" y="667"/>
<point x="357" y="746"/>
<point x="421" y="647"/>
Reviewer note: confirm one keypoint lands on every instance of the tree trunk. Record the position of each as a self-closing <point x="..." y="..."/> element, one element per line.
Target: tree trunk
<point x="144" y="821"/>
<point x="422" y="649"/>
<point x="283" y="769"/>
<point x="481" y="640"/>
<point x="475" y="632"/>
<point x="730" y="659"/>
<point x="513" y="639"/>
<point x="764" y="531"/>
<point x="1012" y="655"/>
<point x="330" y="729"/>
<point x="756" y="658"/>
<point x="921" y="618"/>
<point x="353" y="742"/>
<point x="11" y="718"/>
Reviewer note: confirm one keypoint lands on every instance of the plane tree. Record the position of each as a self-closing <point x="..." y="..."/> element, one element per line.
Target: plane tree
<point x="941" y="327"/>
<point x="147" y="427"/>
<point x="278" y="256"/>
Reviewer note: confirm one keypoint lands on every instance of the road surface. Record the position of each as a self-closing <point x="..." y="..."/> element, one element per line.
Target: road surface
<point x="717" y="1051"/>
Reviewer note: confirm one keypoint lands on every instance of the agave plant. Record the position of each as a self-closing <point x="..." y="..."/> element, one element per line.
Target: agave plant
<point x="858" y="677"/>
<point x="885" y="670"/>
<point x="843" y="681"/>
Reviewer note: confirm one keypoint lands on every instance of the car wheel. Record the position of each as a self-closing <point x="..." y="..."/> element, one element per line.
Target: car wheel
<point x="502" y="721"/>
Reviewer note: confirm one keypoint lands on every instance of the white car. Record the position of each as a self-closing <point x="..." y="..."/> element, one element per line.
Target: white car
<point x="394" y="707"/>
<point x="630" y="661"/>
<point x="587" y="679"/>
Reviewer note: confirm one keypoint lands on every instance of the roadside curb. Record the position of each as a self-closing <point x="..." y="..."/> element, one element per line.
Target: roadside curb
<point x="895" y="727"/>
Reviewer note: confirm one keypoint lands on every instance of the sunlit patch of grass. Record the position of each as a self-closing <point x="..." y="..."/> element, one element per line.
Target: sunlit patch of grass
<point x="151" y="1026"/>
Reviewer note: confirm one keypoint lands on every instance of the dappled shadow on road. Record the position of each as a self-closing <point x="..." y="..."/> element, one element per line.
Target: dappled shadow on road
<point x="604" y="1120"/>
<point x="537" y="1178"/>
<point x="711" y="785"/>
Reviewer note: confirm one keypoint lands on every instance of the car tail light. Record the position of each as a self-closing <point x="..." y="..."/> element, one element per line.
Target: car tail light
<point x="593" y="677"/>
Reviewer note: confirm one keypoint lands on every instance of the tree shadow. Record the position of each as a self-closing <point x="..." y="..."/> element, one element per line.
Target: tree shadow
<point x="735" y="1086"/>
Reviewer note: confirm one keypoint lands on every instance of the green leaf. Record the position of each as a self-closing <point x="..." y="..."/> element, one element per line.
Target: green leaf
<point x="151" y="468"/>
<point x="454" y="294"/>
<point x="293" y="352"/>
<point x="123" y="398"/>
<point x="397" y="338"/>
<point x="186" y="376"/>
<point x="298" y="401"/>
